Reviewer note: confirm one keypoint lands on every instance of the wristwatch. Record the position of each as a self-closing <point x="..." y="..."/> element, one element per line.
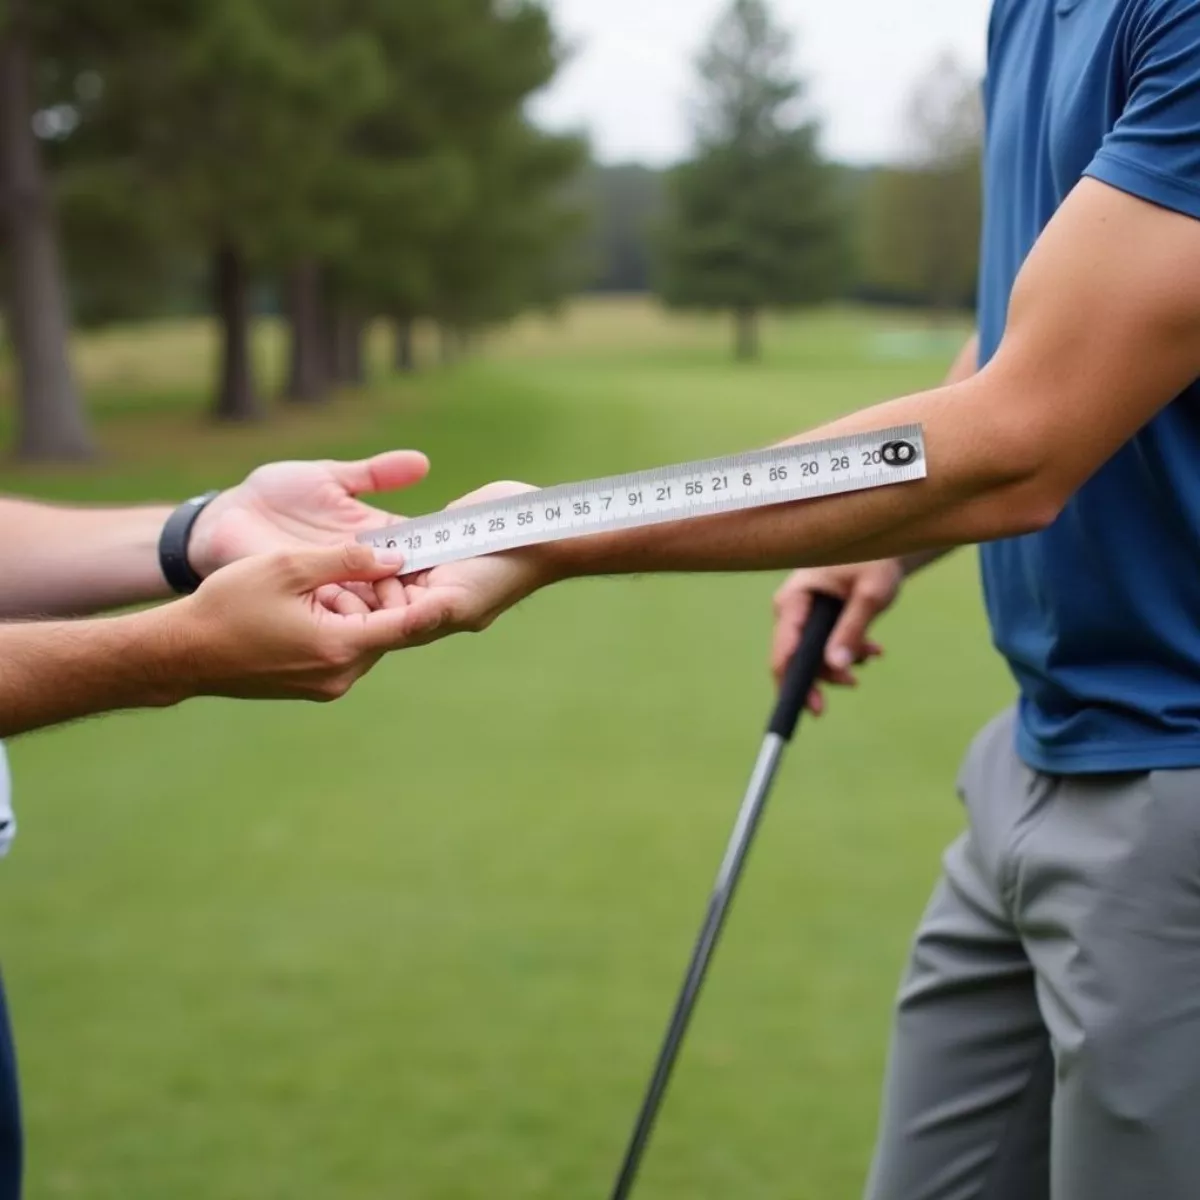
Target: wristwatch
<point x="173" y="544"/>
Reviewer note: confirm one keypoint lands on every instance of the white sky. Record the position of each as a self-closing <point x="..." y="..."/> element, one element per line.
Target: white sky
<point x="632" y="74"/>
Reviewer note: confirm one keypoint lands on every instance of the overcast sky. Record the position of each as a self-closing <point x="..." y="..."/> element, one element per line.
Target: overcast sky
<point x="630" y="79"/>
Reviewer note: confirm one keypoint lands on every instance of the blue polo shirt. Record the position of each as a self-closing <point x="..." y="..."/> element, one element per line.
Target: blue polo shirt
<point x="1098" y="615"/>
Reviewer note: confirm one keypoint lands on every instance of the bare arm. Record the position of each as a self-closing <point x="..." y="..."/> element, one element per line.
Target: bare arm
<point x="58" y="561"/>
<point x="63" y="561"/>
<point x="868" y="589"/>
<point x="255" y="630"/>
<point x="1103" y="332"/>
<point x="964" y="366"/>
<point x="56" y="671"/>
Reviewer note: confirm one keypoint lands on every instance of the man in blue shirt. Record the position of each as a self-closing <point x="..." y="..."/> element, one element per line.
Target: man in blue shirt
<point x="1047" y="1039"/>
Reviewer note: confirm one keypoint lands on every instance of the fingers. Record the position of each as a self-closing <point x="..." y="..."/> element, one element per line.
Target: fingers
<point x="385" y="472"/>
<point x="412" y="625"/>
<point x="867" y="593"/>
<point x="342" y="601"/>
<point x="308" y="570"/>
<point x="391" y="593"/>
<point x="792" y="609"/>
<point x="848" y="643"/>
<point x="366" y="592"/>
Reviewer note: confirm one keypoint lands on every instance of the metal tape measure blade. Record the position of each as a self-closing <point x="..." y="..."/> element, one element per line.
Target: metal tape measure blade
<point x="778" y="475"/>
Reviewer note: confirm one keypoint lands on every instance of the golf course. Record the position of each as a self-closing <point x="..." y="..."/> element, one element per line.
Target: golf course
<point x="422" y="944"/>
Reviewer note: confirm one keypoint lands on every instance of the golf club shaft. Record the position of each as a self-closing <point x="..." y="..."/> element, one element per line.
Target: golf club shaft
<point x="801" y="675"/>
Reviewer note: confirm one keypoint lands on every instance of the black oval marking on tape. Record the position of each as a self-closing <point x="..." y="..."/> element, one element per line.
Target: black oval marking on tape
<point x="899" y="454"/>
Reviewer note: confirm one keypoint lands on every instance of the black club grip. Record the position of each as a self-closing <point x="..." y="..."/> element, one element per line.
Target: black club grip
<point x="805" y="665"/>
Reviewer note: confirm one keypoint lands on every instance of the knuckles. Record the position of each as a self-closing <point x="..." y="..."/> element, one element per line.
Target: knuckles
<point x="289" y="567"/>
<point x="335" y="653"/>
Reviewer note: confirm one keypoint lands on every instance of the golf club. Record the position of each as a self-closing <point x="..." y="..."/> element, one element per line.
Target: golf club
<point x="798" y="681"/>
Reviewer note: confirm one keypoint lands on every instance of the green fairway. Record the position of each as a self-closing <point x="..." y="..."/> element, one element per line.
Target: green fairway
<point x="423" y="943"/>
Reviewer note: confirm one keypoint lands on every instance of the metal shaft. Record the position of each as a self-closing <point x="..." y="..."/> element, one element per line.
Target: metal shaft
<point x="718" y="908"/>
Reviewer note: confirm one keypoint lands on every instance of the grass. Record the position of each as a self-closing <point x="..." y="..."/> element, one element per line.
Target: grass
<point x="423" y="943"/>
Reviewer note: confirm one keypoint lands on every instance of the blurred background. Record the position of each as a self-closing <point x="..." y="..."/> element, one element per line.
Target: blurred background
<point x="423" y="943"/>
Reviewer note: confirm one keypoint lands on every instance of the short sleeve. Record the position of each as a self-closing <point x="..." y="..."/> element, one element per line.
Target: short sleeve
<point x="1153" y="151"/>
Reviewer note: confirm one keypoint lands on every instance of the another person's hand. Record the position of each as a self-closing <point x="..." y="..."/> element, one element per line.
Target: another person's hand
<point x="466" y="597"/>
<point x="868" y="589"/>
<point x="293" y="505"/>
<point x="258" y="629"/>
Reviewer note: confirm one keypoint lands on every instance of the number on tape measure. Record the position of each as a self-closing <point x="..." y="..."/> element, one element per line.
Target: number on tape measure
<point x="779" y="475"/>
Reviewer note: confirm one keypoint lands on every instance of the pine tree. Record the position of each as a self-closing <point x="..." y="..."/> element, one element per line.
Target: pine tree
<point x="752" y="223"/>
<point x="452" y="196"/>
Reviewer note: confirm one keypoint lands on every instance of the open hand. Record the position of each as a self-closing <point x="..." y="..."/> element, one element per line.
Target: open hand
<point x="293" y="505"/>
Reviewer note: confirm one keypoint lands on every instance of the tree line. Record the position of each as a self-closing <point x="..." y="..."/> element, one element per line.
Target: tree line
<point x="342" y="160"/>
<point x="338" y="162"/>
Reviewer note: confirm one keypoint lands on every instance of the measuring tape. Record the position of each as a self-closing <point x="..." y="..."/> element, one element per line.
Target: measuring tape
<point x="778" y="475"/>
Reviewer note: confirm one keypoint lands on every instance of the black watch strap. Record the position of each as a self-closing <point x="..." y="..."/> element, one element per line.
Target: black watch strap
<point x="173" y="544"/>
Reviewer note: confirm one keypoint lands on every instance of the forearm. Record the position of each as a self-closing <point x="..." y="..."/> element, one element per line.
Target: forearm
<point x="964" y="366"/>
<point x="982" y="483"/>
<point x="68" y="561"/>
<point x="57" y="671"/>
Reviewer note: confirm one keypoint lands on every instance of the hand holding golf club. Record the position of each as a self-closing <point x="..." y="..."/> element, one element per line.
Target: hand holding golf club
<point x="867" y="589"/>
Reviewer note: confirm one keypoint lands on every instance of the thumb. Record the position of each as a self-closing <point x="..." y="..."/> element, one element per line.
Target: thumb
<point x="387" y="472"/>
<point x="307" y="570"/>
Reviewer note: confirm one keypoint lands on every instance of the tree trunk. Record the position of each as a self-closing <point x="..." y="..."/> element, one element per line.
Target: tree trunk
<point x="237" y="399"/>
<point x="308" y="376"/>
<point x="746" y="346"/>
<point x="404" y="352"/>
<point x="352" y="348"/>
<point x="327" y="340"/>
<point x="51" y="419"/>
<point x="347" y="334"/>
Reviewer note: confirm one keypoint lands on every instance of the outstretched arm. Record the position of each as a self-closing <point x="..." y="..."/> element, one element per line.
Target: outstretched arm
<point x="56" y="561"/>
<point x="256" y="630"/>
<point x="965" y="365"/>
<point x="60" y="561"/>
<point x="1103" y="332"/>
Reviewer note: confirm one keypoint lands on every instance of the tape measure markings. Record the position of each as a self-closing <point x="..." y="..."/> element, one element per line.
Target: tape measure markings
<point x="778" y="475"/>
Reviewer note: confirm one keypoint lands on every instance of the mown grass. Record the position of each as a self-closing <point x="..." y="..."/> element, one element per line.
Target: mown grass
<point x="423" y="943"/>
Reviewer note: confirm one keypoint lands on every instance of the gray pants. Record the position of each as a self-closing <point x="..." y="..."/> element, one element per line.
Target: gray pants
<point x="1047" y="1037"/>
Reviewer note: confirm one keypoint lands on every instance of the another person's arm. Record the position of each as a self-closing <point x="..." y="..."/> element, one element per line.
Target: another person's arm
<point x="255" y="630"/>
<point x="68" y="561"/>
<point x="57" y="561"/>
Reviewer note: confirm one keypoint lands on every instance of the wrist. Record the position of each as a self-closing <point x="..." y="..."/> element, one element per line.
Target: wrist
<point x="554" y="562"/>
<point x="165" y="651"/>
